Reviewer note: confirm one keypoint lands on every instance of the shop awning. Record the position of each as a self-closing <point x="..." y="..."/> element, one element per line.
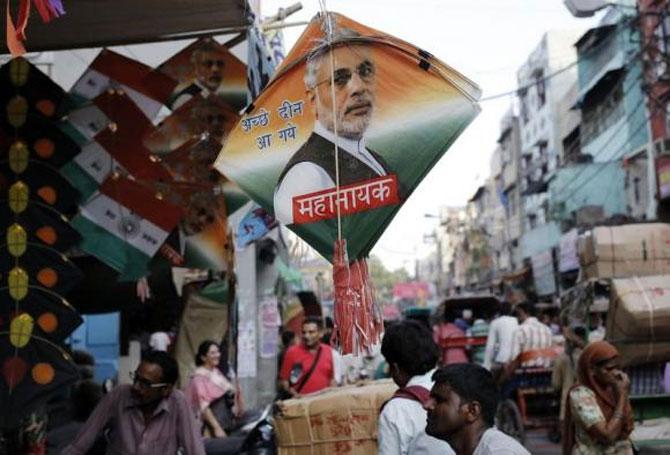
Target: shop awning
<point x="99" y="23"/>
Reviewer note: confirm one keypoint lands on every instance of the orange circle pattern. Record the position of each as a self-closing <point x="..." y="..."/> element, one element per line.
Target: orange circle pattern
<point x="44" y="148"/>
<point x="48" y="194"/>
<point x="48" y="322"/>
<point x="48" y="277"/>
<point x="43" y="373"/>
<point x="46" y="107"/>
<point x="47" y="234"/>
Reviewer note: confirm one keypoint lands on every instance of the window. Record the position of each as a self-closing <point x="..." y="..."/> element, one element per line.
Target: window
<point x="603" y="112"/>
<point x="540" y="88"/>
<point x="662" y="37"/>
<point x="636" y="189"/>
<point x="523" y="101"/>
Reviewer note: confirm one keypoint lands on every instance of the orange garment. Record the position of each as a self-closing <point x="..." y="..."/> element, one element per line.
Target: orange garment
<point x="594" y="354"/>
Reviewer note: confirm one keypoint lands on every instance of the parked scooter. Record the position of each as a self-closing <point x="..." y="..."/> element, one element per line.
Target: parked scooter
<point x="254" y="437"/>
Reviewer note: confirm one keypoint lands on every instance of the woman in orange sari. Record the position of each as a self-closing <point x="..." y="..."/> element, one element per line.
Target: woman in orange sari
<point x="599" y="418"/>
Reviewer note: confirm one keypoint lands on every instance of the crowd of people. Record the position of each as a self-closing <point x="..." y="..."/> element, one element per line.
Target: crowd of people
<point x="447" y="398"/>
<point x="446" y="402"/>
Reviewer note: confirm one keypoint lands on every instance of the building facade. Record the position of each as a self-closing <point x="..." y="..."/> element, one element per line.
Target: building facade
<point x="544" y="81"/>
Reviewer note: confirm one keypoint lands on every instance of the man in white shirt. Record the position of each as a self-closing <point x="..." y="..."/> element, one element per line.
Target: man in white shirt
<point x="409" y="349"/>
<point x="312" y="167"/>
<point x="461" y="411"/>
<point x="498" y="350"/>
<point x="531" y="335"/>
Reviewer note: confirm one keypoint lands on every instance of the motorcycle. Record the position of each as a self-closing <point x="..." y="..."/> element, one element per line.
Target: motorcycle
<point x="254" y="436"/>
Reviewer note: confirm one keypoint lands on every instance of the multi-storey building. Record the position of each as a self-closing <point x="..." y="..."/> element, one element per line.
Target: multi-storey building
<point x="508" y="186"/>
<point x="543" y="82"/>
<point x="655" y="38"/>
<point x="608" y="175"/>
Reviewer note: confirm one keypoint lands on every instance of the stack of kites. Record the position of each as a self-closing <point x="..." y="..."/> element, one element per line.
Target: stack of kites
<point x="35" y="202"/>
<point x="148" y="140"/>
<point x="119" y="168"/>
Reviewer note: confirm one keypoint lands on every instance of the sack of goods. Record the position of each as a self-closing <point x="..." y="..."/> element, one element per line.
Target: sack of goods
<point x="624" y="251"/>
<point x="340" y="420"/>
<point x="638" y="321"/>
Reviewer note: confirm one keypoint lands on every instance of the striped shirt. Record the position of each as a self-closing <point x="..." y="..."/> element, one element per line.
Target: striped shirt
<point x="529" y="336"/>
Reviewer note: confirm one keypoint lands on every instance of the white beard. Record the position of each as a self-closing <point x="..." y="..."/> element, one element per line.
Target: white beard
<point x="351" y="129"/>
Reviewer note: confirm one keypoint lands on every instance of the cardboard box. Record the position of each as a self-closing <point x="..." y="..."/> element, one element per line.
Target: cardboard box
<point x="633" y="353"/>
<point x="638" y="321"/>
<point x="341" y="420"/>
<point x="625" y="251"/>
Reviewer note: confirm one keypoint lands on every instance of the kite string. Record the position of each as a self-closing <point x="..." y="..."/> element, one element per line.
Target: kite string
<point x="329" y="40"/>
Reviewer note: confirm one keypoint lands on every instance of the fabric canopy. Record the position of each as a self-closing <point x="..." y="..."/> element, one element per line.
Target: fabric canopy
<point x="99" y="23"/>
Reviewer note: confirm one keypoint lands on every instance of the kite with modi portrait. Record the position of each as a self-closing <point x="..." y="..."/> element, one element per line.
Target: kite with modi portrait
<point x="348" y="127"/>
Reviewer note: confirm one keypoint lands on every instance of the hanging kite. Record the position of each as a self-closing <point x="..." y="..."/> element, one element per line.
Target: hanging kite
<point x="21" y="79"/>
<point x="112" y="108"/>
<point x="206" y="68"/>
<point x="149" y="89"/>
<point x="34" y="319"/>
<point x="349" y="126"/>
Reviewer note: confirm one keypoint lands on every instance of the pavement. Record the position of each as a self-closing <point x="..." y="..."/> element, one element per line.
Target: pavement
<point x="537" y="443"/>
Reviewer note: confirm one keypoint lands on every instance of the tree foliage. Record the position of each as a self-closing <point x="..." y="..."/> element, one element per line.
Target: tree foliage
<point x="383" y="279"/>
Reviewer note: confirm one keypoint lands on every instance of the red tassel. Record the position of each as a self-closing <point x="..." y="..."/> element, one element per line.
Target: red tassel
<point x="16" y="35"/>
<point x="44" y="9"/>
<point x="22" y="20"/>
<point x="358" y="321"/>
<point x="14" y="44"/>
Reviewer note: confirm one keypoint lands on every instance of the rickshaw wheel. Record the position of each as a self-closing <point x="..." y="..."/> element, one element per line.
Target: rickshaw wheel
<point x="508" y="420"/>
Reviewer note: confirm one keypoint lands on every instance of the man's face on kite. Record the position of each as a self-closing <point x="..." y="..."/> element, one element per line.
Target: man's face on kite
<point x="354" y="84"/>
<point x="209" y="69"/>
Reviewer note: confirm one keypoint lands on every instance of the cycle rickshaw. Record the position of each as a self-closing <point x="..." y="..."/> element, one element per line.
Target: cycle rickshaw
<point x="528" y="398"/>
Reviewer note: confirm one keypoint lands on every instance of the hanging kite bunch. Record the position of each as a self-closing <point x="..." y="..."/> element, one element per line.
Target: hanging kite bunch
<point x="350" y="124"/>
<point x="35" y="274"/>
<point x="16" y="34"/>
<point x="358" y="321"/>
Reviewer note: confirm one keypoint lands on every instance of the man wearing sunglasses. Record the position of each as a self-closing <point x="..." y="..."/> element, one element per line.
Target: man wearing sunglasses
<point x="347" y="115"/>
<point x="148" y="418"/>
<point x="208" y="62"/>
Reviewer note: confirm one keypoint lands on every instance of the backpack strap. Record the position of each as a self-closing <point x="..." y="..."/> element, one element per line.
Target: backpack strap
<point x="414" y="392"/>
<point x="307" y="375"/>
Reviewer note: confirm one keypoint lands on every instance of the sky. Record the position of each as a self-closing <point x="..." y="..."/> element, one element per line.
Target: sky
<point x="487" y="41"/>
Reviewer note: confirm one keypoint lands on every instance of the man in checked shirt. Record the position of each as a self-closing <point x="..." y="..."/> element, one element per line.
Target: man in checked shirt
<point x="150" y="417"/>
<point x="531" y="335"/>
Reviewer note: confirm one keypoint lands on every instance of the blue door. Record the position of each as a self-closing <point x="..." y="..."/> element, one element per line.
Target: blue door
<point x="99" y="335"/>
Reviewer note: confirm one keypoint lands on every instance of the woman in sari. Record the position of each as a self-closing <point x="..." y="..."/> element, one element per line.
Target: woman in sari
<point x="599" y="418"/>
<point x="209" y="391"/>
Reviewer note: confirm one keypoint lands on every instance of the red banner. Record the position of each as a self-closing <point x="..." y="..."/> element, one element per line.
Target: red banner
<point x="358" y="197"/>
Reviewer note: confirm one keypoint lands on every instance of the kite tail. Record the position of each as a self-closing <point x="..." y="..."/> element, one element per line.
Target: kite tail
<point x="358" y="321"/>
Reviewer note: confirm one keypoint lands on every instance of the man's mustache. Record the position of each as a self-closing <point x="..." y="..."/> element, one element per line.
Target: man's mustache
<point x="359" y="105"/>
